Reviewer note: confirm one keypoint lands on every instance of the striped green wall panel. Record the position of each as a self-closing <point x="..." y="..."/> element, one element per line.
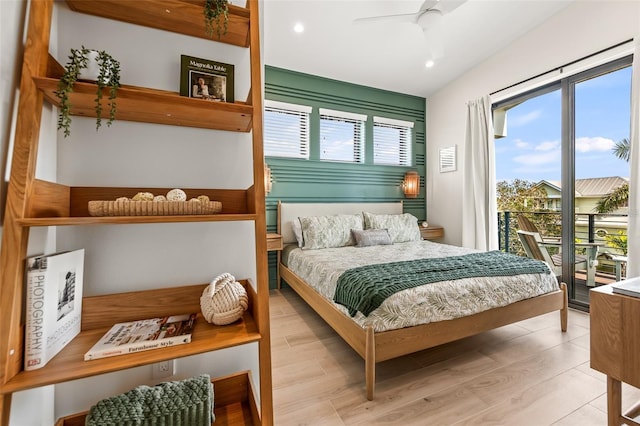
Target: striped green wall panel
<point x="297" y="181"/>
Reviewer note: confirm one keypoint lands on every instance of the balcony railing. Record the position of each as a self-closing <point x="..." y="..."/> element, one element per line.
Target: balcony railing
<point x="608" y="230"/>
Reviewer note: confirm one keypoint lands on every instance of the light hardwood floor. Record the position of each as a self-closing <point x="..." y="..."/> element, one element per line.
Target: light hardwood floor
<point x="528" y="373"/>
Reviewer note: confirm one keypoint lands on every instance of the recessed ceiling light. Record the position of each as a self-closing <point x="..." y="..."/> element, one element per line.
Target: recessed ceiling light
<point x="430" y="63"/>
<point x="298" y="27"/>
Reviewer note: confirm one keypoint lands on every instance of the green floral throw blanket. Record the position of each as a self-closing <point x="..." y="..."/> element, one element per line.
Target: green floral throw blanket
<point x="365" y="288"/>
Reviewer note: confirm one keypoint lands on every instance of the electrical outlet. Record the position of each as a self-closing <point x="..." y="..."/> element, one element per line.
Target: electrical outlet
<point x="164" y="369"/>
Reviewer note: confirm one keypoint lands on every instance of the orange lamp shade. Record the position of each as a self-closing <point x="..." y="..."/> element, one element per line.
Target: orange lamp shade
<point x="411" y="184"/>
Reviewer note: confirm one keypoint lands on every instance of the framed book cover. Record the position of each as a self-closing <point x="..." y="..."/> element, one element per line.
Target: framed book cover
<point x="53" y="305"/>
<point x="206" y="79"/>
<point x="143" y="335"/>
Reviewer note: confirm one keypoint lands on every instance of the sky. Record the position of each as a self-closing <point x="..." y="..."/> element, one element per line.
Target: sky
<point x="531" y="150"/>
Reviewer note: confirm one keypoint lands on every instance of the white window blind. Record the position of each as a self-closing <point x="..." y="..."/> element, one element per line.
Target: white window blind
<point x="392" y="141"/>
<point x="286" y="130"/>
<point x="341" y="136"/>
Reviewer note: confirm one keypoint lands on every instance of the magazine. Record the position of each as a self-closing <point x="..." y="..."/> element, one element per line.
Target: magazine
<point x="143" y="335"/>
<point x="205" y="79"/>
<point x="630" y="287"/>
<point x="53" y="305"/>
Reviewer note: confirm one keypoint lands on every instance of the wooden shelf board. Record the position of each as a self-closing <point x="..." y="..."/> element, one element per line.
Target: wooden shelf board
<point x="233" y="403"/>
<point x="178" y="16"/>
<point x="54" y="204"/>
<point x="154" y="106"/>
<point x="121" y="220"/>
<point x="101" y="312"/>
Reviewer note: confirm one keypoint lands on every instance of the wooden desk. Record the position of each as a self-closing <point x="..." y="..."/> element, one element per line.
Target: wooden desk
<point x="431" y="232"/>
<point x="615" y="347"/>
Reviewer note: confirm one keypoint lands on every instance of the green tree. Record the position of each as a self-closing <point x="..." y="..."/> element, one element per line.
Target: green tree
<point x="618" y="241"/>
<point x="524" y="197"/>
<point x="619" y="197"/>
<point x="517" y="195"/>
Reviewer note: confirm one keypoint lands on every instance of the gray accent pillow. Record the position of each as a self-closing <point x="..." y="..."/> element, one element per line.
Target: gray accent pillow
<point x="329" y="231"/>
<point x="371" y="237"/>
<point x="401" y="227"/>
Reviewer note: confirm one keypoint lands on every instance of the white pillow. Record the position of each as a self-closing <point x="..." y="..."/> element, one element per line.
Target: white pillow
<point x="329" y="231"/>
<point x="401" y="227"/>
<point x="297" y="231"/>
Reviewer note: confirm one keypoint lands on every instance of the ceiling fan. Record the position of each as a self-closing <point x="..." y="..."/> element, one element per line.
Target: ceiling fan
<point x="429" y="17"/>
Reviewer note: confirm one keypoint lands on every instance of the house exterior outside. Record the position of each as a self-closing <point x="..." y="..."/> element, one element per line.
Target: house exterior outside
<point x="587" y="194"/>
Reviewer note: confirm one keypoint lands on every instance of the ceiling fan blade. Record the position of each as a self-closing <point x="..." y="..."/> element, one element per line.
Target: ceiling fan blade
<point x="405" y="17"/>
<point x="447" y="6"/>
<point x="428" y="4"/>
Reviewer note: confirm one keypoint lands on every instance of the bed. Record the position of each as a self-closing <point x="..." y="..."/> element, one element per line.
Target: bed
<point x="407" y="321"/>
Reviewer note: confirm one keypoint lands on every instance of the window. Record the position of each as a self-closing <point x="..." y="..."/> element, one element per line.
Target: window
<point x="341" y="136"/>
<point x="286" y="130"/>
<point x="391" y="141"/>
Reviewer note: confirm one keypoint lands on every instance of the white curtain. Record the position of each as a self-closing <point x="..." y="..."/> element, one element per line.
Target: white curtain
<point x="479" y="211"/>
<point x="633" y="238"/>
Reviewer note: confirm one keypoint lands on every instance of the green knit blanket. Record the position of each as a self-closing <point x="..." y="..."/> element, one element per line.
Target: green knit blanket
<point x="365" y="288"/>
<point x="182" y="403"/>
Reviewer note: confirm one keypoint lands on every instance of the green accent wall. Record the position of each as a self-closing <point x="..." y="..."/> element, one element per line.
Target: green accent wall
<point x="296" y="180"/>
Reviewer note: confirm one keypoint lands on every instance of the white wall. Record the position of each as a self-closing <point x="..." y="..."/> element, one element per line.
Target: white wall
<point x="136" y="257"/>
<point x="583" y="28"/>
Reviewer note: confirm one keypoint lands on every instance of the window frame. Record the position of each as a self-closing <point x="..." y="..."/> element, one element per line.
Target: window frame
<point x="358" y="121"/>
<point x="404" y="144"/>
<point x="303" y="112"/>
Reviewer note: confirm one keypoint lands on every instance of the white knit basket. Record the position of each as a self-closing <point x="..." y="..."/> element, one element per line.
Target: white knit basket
<point x="224" y="300"/>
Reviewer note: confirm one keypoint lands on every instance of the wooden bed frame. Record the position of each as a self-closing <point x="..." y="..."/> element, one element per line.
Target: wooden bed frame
<point x="374" y="346"/>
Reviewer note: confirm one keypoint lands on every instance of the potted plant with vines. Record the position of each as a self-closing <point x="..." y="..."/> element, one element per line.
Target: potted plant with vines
<point x="107" y="74"/>
<point x="216" y="17"/>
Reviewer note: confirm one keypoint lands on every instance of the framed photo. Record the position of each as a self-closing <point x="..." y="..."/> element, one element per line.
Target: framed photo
<point x="205" y="79"/>
<point x="448" y="159"/>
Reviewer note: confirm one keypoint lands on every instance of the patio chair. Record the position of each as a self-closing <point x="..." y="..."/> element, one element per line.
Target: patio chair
<point x="526" y="225"/>
<point x="536" y="248"/>
<point x="588" y="262"/>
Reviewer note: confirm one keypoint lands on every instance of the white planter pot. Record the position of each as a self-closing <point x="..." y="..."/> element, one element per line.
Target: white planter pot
<point x="92" y="71"/>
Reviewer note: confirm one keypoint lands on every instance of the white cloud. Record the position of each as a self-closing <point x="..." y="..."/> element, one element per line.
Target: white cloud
<point x="597" y="143"/>
<point x="548" y="146"/>
<point x="521" y="120"/>
<point x="522" y="144"/>
<point x="549" y="157"/>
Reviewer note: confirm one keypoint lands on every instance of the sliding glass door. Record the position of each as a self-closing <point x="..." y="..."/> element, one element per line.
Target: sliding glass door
<point x="558" y="163"/>
<point x="602" y="124"/>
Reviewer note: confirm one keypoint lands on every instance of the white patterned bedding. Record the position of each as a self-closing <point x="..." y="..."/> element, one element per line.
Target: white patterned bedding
<point x="428" y="303"/>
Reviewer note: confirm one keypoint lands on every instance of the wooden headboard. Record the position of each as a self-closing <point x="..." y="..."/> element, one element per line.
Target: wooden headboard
<point x="289" y="211"/>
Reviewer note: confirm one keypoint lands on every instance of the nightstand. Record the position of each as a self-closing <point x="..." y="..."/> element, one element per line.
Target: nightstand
<point x="274" y="242"/>
<point x="432" y="232"/>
